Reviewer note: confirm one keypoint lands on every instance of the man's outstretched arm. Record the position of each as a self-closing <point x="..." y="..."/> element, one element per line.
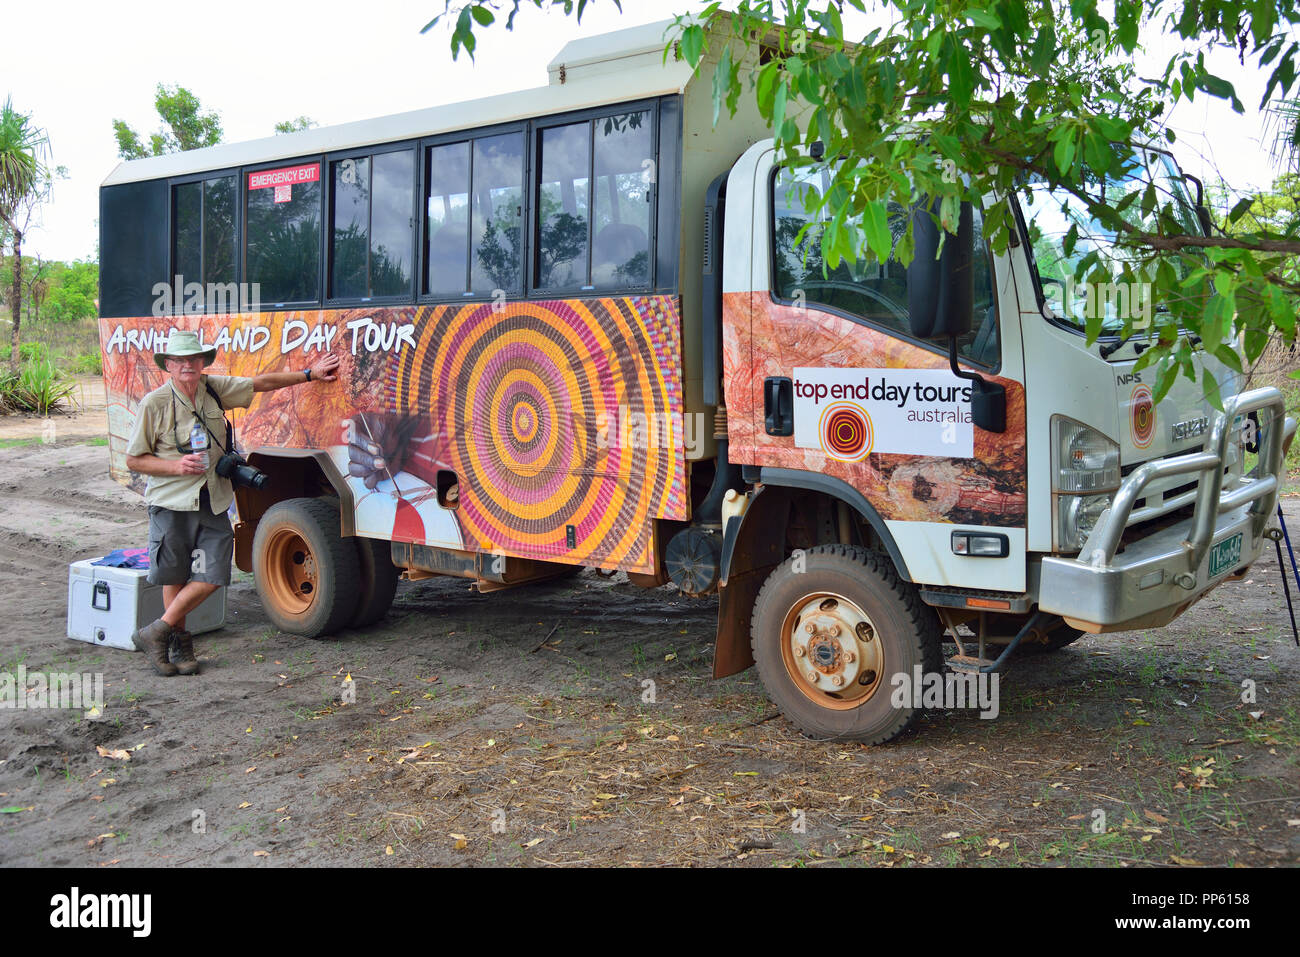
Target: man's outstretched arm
<point x="327" y="370"/>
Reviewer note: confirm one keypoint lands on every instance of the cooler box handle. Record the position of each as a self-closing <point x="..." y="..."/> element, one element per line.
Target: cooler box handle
<point x="101" y="588"/>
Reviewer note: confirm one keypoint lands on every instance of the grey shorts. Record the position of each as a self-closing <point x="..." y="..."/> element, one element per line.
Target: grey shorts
<point x="189" y="546"/>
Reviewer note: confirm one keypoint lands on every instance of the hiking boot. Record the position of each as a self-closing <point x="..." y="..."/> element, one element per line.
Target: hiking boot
<point x="153" y="641"/>
<point x="183" y="645"/>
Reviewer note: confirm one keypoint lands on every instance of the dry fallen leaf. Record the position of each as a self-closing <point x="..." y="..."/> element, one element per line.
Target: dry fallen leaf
<point x="116" y="753"/>
<point x="1153" y="816"/>
<point x="261" y="853"/>
<point x="388" y="849"/>
<point x="533" y="843"/>
<point x="244" y="805"/>
<point x="1185" y="861"/>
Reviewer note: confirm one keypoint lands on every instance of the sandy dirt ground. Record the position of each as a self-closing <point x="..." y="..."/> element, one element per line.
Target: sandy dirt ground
<point x="519" y="729"/>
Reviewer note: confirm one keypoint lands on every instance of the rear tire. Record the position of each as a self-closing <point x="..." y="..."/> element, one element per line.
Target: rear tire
<point x="378" y="581"/>
<point x="867" y="625"/>
<point x="307" y="574"/>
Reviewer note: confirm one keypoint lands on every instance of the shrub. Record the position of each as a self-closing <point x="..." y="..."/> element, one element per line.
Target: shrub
<point x="88" y="363"/>
<point x="27" y="352"/>
<point x="39" y="387"/>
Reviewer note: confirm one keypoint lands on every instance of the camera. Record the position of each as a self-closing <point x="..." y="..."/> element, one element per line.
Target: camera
<point x="234" y="467"/>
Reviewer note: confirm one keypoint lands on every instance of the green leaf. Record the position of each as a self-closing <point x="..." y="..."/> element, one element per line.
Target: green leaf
<point x="778" y="107"/>
<point x="1217" y="86"/>
<point x="1210" y="386"/>
<point x="1228" y="356"/>
<point x="1165" y="377"/>
<point x="721" y="83"/>
<point x="13" y="810"/>
<point x="1240" y="209"/>
<point x="1071" y="239"/>
<point x="875" y="221"/>
<point x="692" y="44"/>
<point x="765" y="88"/>
<point x="483" y="15"/>
<point x="1044" y="50"/>
<point x="1063" y="154"/>
<point x="984" y="18"/>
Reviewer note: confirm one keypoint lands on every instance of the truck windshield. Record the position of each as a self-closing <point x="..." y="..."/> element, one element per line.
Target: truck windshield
<point x="1051" y="212"/>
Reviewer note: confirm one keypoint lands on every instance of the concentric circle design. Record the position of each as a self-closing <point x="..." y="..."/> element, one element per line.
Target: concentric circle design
<point x="845" y="431"/>
<point x="553" y="415"/>
<point x="1143" y="416"/>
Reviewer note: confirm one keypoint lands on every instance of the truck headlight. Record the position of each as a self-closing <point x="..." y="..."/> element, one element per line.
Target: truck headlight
<point x="1086" y="461"/>
<point x="1085" y="473"/>
<point x="1078" y="515"/>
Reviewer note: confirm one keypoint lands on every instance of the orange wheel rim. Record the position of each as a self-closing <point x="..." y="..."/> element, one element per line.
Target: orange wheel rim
<point x="291" y="571"/>
<point x="831" y="651"/>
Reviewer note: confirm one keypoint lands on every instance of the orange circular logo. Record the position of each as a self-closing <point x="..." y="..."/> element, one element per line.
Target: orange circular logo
<point x="845" y="432"/>
<point x="1142" y="416"/>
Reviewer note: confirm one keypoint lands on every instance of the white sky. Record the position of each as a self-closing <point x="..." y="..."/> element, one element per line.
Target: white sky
<point x="79" y="65"/>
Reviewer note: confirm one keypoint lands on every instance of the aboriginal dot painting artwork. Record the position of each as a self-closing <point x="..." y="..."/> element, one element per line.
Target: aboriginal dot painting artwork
<point x="491" y="426"/>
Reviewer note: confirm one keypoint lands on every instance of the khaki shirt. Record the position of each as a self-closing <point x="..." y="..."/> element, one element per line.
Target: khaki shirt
<point x="163" y="421"/>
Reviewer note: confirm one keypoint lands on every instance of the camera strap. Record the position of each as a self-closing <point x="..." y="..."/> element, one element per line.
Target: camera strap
<point x="230" y="429"/>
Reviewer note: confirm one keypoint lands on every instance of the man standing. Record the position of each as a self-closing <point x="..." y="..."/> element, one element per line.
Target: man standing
<point x="187" y="499"/>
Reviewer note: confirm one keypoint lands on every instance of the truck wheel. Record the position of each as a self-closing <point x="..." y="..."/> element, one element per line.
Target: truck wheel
<point x="378" y="581"/>
<point x="830" y="629"/>
<point x="307" y="575"/>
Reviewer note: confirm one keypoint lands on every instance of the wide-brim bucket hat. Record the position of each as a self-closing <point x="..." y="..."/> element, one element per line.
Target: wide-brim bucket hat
<point x="181" y="343"/>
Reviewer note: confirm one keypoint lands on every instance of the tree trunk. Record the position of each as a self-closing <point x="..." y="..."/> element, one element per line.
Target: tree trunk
<point x="18" y="300"/>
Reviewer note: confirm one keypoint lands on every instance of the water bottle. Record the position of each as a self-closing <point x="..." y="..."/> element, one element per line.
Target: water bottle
<point x="199" y="442"/>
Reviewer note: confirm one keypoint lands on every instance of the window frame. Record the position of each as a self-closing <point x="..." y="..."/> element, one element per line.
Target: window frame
<point x="321" y="276"/>
<point x="941" y="350"/>
<point x="537" y="125"/>
<point x="422" y="208"/>
<point x="416" y="267"/>
<point x="663" y="271"/>
<point x="175" y="181"/>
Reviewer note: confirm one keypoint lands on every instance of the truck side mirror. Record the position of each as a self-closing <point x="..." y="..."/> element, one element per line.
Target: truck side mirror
<point x="941" y="298"/>
<point x="941" y="285"/>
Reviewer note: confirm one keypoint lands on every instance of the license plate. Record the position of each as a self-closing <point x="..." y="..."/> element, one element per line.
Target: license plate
<point x="1225" y="556"/>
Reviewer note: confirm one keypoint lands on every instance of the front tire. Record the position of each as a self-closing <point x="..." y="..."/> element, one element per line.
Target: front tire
<point x="307" y="574"/>
<point x="831" y="627"/>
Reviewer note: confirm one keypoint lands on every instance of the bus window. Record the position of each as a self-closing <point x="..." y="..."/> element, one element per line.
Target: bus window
<point x="219" y="230"/>
<point x="562" y="207"/>
<point x="187" y="232"/>
<point x="876" y="292"/>
<point x="594" y="204"/>
<point x="498" y="207"/>
<point x="283" y="233"/>
<point x="372" y="235"/>
<point x="620" y="250"/>
<point x="203" y="231"/>
<point x="447" y="221"/>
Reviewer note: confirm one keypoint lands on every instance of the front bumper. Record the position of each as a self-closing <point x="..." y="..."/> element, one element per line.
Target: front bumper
<point x="1156" y="578"/>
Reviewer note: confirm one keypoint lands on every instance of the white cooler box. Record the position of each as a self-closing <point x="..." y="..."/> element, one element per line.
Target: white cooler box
<point x="107" y="605"/>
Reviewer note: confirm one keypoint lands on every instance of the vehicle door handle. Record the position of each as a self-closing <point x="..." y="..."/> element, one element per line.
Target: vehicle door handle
<point x="778" y="405"/>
